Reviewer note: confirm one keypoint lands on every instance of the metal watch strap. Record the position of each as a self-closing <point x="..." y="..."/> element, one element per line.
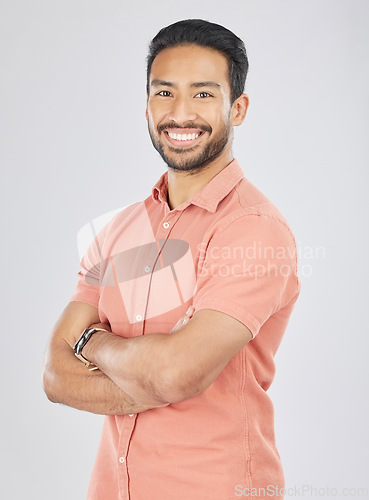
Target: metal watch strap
<point x="82" y="341"/>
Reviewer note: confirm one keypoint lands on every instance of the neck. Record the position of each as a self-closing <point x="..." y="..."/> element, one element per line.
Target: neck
<point x="183" y="185"/>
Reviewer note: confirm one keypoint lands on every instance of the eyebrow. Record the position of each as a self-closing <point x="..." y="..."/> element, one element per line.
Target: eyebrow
<point x="164" y="83"/>
<point x="205" y="84"/>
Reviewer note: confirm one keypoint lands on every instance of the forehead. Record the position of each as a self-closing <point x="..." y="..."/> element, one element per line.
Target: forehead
<point x="190" y="63"/>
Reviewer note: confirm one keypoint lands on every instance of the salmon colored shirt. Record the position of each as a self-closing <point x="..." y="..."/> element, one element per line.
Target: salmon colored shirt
<point x="227" y="249"/>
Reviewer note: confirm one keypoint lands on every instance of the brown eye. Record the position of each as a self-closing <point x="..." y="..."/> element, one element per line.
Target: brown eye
<point x="164" y="93"/>
<point x="202" y="95"/>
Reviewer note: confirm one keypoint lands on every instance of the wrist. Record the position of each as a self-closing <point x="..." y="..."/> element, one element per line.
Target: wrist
<point x="79" y="346"/>
<point x="91" y="348"/>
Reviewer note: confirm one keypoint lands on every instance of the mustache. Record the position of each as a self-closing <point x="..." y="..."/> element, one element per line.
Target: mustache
<point x="166" y="126"/>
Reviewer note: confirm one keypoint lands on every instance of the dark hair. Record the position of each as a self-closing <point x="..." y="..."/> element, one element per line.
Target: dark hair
<point x="205" y="34"/>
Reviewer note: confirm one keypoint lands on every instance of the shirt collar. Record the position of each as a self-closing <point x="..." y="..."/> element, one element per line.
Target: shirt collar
<point x="210" y="195"/>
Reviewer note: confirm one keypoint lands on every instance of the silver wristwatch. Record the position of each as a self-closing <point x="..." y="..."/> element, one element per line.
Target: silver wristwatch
<point x="82" y="341"/>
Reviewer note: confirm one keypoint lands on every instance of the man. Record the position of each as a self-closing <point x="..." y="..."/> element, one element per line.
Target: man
<point x="188" y="294"/>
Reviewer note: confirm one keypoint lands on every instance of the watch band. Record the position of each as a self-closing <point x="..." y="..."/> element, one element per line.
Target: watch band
<point x="82" y="341"/>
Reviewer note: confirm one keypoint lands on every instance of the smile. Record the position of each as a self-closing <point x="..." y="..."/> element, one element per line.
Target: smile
<point x="183" y="137"/>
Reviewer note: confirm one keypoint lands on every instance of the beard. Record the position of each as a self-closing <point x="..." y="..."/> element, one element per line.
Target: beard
<point x="186" y="159"/>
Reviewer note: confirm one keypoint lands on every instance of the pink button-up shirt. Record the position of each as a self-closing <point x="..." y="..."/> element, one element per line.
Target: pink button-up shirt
<point x="228" y="249"/>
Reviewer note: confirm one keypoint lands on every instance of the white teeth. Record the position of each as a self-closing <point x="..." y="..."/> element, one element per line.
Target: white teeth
<point x="183" y="137"/>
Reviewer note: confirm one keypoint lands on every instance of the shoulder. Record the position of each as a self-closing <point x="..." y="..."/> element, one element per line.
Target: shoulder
<point x="249" y="213"/>
<point x="98" y="229"/>
<point x="123" y="214"/>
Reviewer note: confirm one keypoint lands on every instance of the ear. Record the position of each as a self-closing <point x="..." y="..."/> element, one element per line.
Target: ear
<point x="147" y="103"/>
<point x="239" y="110"/>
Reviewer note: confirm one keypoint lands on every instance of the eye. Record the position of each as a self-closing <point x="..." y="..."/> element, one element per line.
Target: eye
<point x="164" y="93"/>
<point x="202" y="95"/>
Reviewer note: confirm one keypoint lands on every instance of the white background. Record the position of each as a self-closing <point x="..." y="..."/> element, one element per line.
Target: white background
<point x="74" y="145"/>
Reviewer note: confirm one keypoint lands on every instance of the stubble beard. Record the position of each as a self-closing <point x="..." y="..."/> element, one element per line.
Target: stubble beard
<point x="194" y="163"/>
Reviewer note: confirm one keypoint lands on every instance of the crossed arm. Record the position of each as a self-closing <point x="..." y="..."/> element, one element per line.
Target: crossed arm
<point x="138" y="373"/>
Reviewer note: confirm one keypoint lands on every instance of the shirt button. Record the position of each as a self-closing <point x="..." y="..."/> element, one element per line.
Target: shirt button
<point x="122" y="460"/>
<point x="138" y="317"/>
<point x="166" y="225"/>
<point x="147" y="269"/>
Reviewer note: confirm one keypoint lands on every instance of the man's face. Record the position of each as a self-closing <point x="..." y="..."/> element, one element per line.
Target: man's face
<point x="188" y="106"/>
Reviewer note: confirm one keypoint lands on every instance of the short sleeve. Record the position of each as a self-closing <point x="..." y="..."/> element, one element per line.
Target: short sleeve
<point x="89" y="276"/>
<point x="249" y="270"/>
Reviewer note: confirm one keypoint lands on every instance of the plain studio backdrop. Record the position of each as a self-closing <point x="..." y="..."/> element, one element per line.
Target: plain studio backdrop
<point x="74" y="145"/>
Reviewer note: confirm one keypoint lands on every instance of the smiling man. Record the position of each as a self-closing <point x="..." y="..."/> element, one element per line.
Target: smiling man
<point x="183" y="299"/>
<point x="203" y="106"/>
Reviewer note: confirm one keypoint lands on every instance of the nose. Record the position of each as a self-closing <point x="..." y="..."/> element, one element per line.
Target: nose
<point x="182" y="110"/>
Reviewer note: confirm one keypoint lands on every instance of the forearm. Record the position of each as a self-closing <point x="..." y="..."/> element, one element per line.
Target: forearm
<point x="68" y="381"/>
<point x="140" y="366"/>
<point x="159" y="369"/>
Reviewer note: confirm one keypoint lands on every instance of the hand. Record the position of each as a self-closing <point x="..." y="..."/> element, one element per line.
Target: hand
<point x="87" y="347"/>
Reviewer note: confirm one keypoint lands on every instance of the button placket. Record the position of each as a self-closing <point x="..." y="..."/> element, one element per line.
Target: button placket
<point x="168" y="222"/>
<point x="122" y="456"/>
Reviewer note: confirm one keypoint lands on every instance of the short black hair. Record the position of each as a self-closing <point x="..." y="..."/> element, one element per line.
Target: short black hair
<point x="204" y="34"/>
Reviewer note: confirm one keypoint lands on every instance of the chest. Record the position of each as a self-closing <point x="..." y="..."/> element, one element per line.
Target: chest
<point x="149" y="270"/>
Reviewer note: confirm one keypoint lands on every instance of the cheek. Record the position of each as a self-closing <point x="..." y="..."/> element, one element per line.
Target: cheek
<point x="155" y="115"/>
<point x="219" y="120"/>
<point x="217" y="116"/>
<point x="151" y="119"/>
